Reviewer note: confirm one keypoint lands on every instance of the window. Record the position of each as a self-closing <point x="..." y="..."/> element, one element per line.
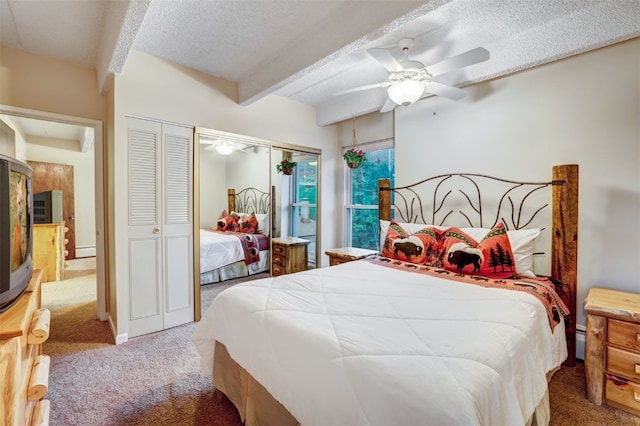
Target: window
<point x="362" y="194"/>
<point x="304" y="205"/>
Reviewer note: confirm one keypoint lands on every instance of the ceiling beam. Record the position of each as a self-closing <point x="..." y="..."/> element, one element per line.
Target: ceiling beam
<point x="122" y="23"/>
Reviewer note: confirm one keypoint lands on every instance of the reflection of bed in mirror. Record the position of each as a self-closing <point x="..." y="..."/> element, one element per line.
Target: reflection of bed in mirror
<point x="226" y="255"/>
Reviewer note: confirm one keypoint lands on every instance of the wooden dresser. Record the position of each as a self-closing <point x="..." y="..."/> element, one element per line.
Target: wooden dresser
<point x="347" y="254"/>
<point x="24" y="370"/>
<point x="612" y="351"/>
<point x="49" y="250"/>
<point x="288" y="255"/>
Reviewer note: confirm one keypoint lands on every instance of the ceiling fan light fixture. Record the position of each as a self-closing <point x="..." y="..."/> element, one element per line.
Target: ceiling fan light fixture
<point x="224" y="148"/>
<point x="406" y="92"/>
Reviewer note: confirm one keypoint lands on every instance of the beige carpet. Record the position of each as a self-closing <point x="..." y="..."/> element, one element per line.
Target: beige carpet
<point x="79" y="267"/>
<point x="155" y="379"/>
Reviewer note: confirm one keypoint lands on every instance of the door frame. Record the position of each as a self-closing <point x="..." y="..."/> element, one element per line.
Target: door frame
<point x="100" y="193"/>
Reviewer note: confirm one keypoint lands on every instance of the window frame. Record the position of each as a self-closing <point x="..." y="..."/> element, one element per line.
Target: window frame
<point x="348" y="206"/>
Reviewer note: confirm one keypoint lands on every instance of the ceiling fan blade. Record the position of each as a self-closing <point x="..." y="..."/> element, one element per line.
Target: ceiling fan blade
<point x="386" y="59"/>
<point x="445" y="91"/>
<point x="360" y="88"/>
<point x="462" y="60"/>
<point x="388" y="106"/>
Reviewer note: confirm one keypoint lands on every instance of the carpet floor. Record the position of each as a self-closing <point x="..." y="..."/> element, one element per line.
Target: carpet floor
<point x="155" y="379"/>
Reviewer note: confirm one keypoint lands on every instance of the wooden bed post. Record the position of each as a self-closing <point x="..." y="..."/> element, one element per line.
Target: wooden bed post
<point x="231" y="199"/>
<point x="384" y="202"/>
<point x="564" y="245"/>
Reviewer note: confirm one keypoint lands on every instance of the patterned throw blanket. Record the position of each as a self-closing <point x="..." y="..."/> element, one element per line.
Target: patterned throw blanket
<point x="250" y="246"/>
<point x="542" y="288"/>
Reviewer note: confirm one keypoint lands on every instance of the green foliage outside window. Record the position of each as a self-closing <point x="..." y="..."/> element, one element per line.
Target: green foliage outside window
<point x="364" y="191"/>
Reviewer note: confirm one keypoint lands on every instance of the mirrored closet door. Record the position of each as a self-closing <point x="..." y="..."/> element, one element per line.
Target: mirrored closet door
<point x="243" y="178"/>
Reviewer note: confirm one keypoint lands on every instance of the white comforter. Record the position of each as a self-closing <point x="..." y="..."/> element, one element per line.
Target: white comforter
<point x="361" y="343"/>
<point x="218" y="249"/>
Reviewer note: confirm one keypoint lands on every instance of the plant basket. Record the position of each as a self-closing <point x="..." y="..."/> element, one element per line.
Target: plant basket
<point x="286" y="167"/>
<point x="354" y="164"/>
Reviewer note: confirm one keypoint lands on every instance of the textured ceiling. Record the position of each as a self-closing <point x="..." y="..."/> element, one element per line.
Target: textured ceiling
<point x="309" y="50"/>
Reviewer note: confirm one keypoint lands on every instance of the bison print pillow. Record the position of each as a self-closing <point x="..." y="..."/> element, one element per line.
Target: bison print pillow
<point x="421" y="247"/>
<point x="491" y="257"/>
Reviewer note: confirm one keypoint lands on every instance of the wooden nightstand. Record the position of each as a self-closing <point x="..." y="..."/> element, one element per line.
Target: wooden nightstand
<point x="612" y="351"/>
<point x="289" y="255"/>
<point x="347" y="254"/>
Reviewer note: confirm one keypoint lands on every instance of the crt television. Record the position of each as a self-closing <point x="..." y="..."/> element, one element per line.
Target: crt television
<point x="16" y="230"/>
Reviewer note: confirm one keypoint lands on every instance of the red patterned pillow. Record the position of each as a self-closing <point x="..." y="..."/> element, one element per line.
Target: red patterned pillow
<point x="227" y="222"/>
<point x="248" y="224"/>
<point x="492" y="257"/>
<point x="420" y="247"/>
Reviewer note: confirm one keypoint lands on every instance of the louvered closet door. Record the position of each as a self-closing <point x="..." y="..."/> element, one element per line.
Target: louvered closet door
<point x="177" y="225"/>
<point x="160" y="232"/>
<point x="144" y="230"/>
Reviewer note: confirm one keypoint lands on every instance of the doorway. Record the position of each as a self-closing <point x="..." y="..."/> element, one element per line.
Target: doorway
<point x="53" y="176"/>
<point x="95" y="128"/>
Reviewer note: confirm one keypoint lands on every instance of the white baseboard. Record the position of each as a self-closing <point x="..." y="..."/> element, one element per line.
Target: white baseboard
<point x="119" y="339"/>
<point x="580" y="341"/>
<point x="86" y="251"/>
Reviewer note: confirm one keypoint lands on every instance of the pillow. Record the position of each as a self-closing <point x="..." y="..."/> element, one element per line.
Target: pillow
<point x="420" y="247"/>
<point x="522" y="242"/>
<point x="263" y="223"/>
<point x="227" y="222"/>
<point x="248" y="223"/>
<point x="492" y="257"/>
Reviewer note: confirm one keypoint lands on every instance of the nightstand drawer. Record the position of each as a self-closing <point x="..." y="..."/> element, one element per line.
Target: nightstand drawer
<point x="624" y="334"/>
<point x="277" y="270"/>
<point x="623" y="362"/>
<point x="279" y="260"/>
<point x="279" y="249"/>
<point x="337" y="261"/>
<point x="622" y="394"/>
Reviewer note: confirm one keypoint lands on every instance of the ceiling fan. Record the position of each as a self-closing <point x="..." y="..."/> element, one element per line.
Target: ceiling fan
<point x="410" y="80"/>
<point x="222" y="147"/>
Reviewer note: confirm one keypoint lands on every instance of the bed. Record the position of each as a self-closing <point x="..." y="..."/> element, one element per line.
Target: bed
<point x="379" y="341"/>
<point x="227" y="255"/>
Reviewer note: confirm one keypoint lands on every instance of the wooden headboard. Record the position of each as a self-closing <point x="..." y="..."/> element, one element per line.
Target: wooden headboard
<point x="249" y="200"/>
<point x="409" y="207"/>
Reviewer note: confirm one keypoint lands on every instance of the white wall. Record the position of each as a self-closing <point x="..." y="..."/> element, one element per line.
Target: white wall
<point x="83" y="182"/>
<point x="213" y="189"/>
<point x="583" y="110"/>
<point x="154" y="88"/>
<point x="20" y="145"/>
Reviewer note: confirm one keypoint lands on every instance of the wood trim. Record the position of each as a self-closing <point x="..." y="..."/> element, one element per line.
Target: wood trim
<point x="231" y="199"/>
<point x="594" y="358"/>
<point x="564" y="246"/>
<point x="384" y="199"/>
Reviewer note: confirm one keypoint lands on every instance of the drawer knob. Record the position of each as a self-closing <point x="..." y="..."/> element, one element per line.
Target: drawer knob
<point x="637" y="368"/>
<point x="638" y="337"/>
<point x="636" y="396"/>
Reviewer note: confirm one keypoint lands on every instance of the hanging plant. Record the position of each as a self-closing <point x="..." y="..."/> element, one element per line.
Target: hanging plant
<point x="354" y="156"/>
<point x="285" y="167"/>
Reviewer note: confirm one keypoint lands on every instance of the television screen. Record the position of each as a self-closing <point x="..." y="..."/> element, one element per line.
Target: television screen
<point x="19" y="219"/>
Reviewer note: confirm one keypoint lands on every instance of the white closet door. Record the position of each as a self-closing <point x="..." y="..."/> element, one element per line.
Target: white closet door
<point x="177" y="227"/>
<point x="144" y="230"/>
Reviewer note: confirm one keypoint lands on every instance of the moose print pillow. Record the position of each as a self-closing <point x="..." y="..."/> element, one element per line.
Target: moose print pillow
<point x="421" y="247"/>
<point x="492" y="257"/>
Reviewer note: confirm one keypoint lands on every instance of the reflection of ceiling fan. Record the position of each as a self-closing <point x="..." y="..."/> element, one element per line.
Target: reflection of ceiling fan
<point x="223" y="147"/>
<point x="410" y="80"/>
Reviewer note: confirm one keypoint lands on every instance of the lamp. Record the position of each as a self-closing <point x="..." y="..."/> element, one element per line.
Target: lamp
<point x="224" y="148"/>
<point x="406" y="92"/>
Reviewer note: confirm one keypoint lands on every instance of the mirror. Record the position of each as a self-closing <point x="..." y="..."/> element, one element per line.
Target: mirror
<point x="225" y="161"/>
<point x="296" y="200"/>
